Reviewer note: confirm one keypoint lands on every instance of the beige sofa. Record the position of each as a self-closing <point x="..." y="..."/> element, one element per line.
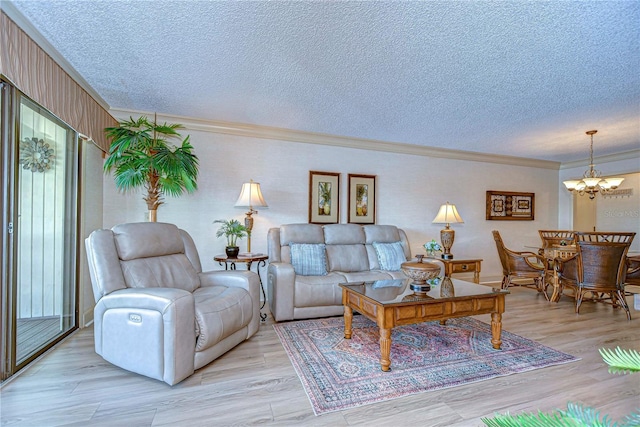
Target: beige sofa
<point x="297" y="286"/>
<point x="157" y="313"/>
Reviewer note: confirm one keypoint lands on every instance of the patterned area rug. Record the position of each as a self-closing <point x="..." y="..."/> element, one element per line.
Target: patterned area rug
<point x="339" y="374"/>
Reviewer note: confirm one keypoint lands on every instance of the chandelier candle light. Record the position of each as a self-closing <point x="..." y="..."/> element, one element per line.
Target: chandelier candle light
<point x="250" y="197"/>
<point x="592" y="182"/>
<point x="448" y="214"/>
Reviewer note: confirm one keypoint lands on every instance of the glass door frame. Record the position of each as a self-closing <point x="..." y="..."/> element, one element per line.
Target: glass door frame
<point x="9" y="124"/>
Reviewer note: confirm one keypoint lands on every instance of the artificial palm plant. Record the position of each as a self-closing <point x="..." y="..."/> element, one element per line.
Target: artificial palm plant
<point x="142" y="154"/>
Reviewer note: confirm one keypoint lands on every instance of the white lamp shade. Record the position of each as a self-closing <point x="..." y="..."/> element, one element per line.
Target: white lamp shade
<point x="571" y="184"/>
<point x="615" y="181"/>
<point x="605" y="184"/>
<point x="448" y="214"/>
<point x="591" y="182"/>
<point x="251" y="196"/>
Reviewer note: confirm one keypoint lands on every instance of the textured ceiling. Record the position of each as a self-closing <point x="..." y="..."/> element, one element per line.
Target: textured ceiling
<point x="515" y="78"/>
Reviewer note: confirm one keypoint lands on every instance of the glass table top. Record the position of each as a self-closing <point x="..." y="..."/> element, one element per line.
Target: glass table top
<point x="398" y="291"/>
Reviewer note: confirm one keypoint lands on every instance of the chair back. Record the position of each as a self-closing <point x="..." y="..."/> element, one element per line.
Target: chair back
<point x="602" y="259"/>
<point x="142" y="255"/>
<point x="633" y="270"/>
<point x="502" y="253"/>
<point x="556" y="237"/>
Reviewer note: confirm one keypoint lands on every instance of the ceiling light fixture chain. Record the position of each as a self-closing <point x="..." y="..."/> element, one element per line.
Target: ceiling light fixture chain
<point x="592" y="181"/>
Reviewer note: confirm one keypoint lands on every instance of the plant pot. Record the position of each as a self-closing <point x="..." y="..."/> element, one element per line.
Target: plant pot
<point x="232" y="251"/>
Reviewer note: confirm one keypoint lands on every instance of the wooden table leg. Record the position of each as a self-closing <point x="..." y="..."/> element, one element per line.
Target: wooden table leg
<point x="348" y="317"/>
<point x="496" y="330"/>
<point x="555" y="297"/>
<point x="385" y="349"/>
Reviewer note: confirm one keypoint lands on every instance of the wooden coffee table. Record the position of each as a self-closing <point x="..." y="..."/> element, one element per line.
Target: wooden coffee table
<point x="392" y="303"/>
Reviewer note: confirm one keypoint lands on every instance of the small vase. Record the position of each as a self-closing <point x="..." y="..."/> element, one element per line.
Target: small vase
<point x="232" y="251"/>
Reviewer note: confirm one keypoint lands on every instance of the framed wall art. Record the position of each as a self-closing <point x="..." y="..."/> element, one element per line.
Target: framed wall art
<point x="510" y="205"/>
<point x="324" y="197"/>
<point x="362" y="199"/>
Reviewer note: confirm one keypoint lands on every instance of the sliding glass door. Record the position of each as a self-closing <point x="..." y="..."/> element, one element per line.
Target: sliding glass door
<point x="40" y="211"/>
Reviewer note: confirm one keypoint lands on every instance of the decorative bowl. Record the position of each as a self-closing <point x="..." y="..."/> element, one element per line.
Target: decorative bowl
<point x="419" y="272"/>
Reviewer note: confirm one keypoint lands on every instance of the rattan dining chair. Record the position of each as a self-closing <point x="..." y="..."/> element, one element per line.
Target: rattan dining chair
<point x="520" y="264"/>
<point x="599" y="267"/>
<point x="556" y="237"/>
<point x="633" y="270"/>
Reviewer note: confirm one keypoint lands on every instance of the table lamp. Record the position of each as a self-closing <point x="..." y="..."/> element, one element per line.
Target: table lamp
<point x="448" y="214"/>
<point x="250" y="197"/>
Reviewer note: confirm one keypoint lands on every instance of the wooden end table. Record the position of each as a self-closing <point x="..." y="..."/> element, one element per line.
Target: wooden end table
<point x="248" y="260"/>
<point x="452" y="266"/>
<point x="396" y="304"/>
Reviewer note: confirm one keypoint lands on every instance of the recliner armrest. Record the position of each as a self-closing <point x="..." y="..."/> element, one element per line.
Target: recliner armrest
<point x="150" y="331"/>
<point x="247" y="280"/>
<point x="281" y="281"/>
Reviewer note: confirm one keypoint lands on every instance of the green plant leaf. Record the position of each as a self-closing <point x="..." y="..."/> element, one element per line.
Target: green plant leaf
<point x="141" y="155"/>
<point x="621" y="361"/>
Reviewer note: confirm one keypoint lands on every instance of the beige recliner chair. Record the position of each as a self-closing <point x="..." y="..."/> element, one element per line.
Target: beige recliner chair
<point x="157" y="313"/>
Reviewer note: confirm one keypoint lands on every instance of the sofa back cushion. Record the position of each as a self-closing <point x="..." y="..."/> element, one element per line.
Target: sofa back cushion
<point x="383" y="234"/>
<point x="345" y="247"/>
<point x="344" y="234"/>
<point x="152" y="254"/>
<point x="296" y="233"/>
<point x="169" y="271"/>
<point x="347" y="258"/>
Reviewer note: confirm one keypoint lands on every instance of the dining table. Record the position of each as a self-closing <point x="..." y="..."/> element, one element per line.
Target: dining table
<point x="550" y="253"/>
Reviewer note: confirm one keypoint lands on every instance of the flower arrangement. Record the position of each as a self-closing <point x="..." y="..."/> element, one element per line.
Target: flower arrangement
<point x="435" y="281"/>
<point x="432" y="247"/>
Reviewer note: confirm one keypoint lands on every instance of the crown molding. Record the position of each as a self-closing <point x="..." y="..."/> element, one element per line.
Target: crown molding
<point x="627" y="155"/>
<point x="281" y="134"/>
<point x="25" y="25"/>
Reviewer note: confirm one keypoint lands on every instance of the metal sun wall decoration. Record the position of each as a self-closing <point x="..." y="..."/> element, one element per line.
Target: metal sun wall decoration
<point x="36" y="155"/>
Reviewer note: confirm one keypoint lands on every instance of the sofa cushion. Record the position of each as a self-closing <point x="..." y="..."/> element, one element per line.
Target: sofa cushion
<point x="347" y="258"/>
<point x="220" y="312"/>
<point x="169" y="271"/>
<point x="309" y="259"/>
<point x="147" y="239"/>
<point x="344" y="234"/>
<point x="390" y="255"/>
<point x="381" y="233"/>
<point x="317" y="291"/>
<point x="301" y="233"/>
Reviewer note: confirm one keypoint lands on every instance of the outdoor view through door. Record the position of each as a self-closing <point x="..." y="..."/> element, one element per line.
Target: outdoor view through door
<point x="41" y="266"/>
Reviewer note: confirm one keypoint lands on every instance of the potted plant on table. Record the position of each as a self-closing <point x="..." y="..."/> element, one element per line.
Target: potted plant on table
<point x="233" y="230"/>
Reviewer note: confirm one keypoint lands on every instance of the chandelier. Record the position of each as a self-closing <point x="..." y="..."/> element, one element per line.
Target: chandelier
<point x="592" y="182"/>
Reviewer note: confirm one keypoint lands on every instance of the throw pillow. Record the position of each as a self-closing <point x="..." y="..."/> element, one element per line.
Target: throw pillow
<point x="309" y="259"/>
<point x="390" y="255"/>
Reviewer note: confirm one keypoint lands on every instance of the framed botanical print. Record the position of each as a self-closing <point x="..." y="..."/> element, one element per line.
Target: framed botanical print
<point x="324" y="197"/>
<point x="509" y="205"/>
<point x="362" y="199"/>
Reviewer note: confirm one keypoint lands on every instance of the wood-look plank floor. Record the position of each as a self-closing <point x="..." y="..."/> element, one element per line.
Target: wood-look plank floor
<point x="255" y="384"/>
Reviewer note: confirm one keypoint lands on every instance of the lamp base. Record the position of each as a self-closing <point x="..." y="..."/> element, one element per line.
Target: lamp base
<point x="446" y="237"/>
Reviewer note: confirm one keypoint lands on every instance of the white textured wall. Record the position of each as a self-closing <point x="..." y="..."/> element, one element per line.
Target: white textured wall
<point x="410" y="190"/>
<point x="91" y="197"/>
